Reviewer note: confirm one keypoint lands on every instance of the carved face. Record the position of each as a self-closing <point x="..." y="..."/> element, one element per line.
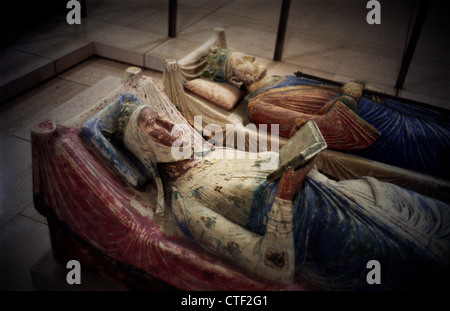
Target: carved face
<point x="164" y="135"/>
<point x="244" y="70"/>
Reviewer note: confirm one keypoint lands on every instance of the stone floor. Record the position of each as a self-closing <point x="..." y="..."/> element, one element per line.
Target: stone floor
<point x="48" y="69"/>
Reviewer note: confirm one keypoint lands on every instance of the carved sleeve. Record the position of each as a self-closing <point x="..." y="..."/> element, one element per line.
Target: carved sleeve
<point x="104" y="123"/>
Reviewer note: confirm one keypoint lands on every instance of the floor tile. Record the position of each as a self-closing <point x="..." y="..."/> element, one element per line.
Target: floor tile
<point x="158" y="21"/>
<point x="125" y="13"/>
<point x="110" y="51"/>
<point x="170" y="49"/>
<point x="94" y="70"/>
<point x="72" y="107"/>
<point x="130" y="39"/>
<point x="278" y="68"/>
<point x="80" y="54"/>
<point x="266" y="11"/>
<point x="260" y="43"/>
<point x="126" y="44"/>
<point x="88" y="31"/>
<point x="20" y="71"/>
<point x="36" y="103"/>
<point x="425" y="98"/>
<point x="370" y="63"/>
<point x="15" y="64"/>
<point x="211" y="5"/>
<point x="97" y="68"/>
<point x="188" y="13"/>
<point x="51" y="44"/>
<point x="30" y="212"/>
<point x="312" y="54"/>
<point x="430" y="75"/>
<point x="16" y="190"/>
<point x="390" y="34"/>
<point x="22" y="243"/>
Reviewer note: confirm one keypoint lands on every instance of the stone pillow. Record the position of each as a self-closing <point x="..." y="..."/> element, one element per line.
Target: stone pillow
<point x="221" y="94"/>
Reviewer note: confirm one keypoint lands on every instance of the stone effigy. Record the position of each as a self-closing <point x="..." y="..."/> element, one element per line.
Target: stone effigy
<point x="312" y="94"/>
<point x="211" y="190"/>
<point x="92" y="209"/>
<point x="393" y="132"/>
<point x="324" y="231"/>
<point x="347" y="121"/>
<point x="109" y="180"/>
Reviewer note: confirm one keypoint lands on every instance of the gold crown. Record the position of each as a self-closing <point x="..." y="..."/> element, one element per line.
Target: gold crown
<point x="217" y="62"/>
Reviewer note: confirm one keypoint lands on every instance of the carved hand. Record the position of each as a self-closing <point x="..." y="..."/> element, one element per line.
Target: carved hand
<point x="291" y="181"/>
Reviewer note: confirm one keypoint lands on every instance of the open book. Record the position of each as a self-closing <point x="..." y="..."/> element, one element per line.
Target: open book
<point x="302" y="147"/>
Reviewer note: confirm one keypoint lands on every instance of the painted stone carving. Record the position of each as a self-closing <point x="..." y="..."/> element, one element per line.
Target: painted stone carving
<point x="414" y="137"/>
<point x="211" y="195"/>
<point x="224" y="204"/>
<point x="130" y="222"/>
<point x="335" y="225"/>
<point x="223" y="94"/>
<point x="348" y="121"/>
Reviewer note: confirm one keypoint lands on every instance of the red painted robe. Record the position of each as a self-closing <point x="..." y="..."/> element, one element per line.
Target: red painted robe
<point x="290" y="105"/>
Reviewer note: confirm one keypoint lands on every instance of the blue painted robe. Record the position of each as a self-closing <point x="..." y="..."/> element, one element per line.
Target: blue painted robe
<point x="337" y="231"/>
